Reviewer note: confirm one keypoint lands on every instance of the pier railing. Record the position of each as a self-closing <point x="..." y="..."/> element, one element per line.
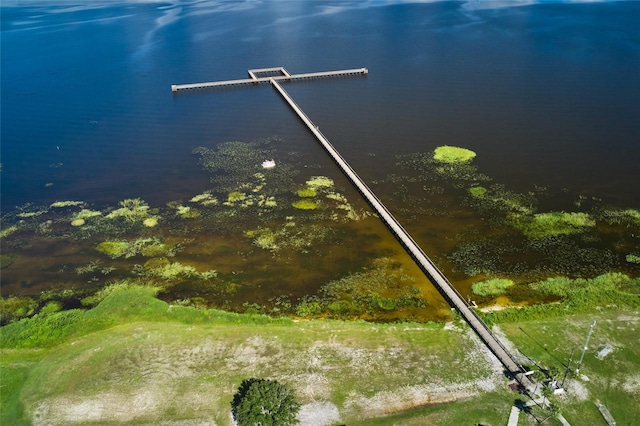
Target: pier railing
<point x="284" y="75"/>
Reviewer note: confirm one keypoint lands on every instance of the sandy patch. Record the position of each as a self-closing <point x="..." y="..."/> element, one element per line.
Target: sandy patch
<point x="115" y="407"/>
<point x="318" y="414"/>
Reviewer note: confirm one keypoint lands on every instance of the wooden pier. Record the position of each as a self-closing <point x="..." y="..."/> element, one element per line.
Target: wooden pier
<point x="255" y="78"/>
<point x="448" y="291"/>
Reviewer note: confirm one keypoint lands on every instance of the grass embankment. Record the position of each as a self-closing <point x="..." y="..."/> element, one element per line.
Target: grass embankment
<point x="613" y="380"/>
<point x="136" y="359"/>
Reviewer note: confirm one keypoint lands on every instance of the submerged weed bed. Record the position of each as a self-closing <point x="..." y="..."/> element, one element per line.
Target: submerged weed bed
<point x="281" y="240"/>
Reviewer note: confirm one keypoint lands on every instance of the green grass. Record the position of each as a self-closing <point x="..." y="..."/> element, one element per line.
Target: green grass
<point x="135" y="359"/>
<point x="185" y="362"/>
<point x="613" y="380"/>
<point x="491" y="408"/>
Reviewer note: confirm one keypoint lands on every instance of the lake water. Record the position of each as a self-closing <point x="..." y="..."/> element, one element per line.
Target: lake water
<point x="546" y="94"/>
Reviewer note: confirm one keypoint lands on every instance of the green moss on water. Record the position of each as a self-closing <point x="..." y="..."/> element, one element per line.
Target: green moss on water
<point x="633" y="258"/>
<point x="306" y="192"/>
<point x="148" y="247"/>
<point x="5" y="261"/>
<point x="304" y="205"/>
<point x="478" y="191"/>
<point x="553" y="223"/>
<point x="320" y="182"/>
<point x="113" y="249"/>
<point x="453" y="154"/>
<point x="492" y="287"/>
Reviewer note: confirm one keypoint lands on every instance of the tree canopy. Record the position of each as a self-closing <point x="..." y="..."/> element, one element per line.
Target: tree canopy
<point x="261" y="402"/>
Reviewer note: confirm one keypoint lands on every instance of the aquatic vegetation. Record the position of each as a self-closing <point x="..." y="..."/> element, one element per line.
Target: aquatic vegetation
<point x="238" y="166"/>
<point x="61" y="204"/>
<point x="206" y="199"/>
<point x="627" y="217"/>
<point x="113" y="249"/>
<point x="492" y="287"/>
<point x="429" y="169"/>
<point x="235" y="197"/>
<point x="343" y="204"/>
<point x="145" y="246"/>
<point x="497" y="197"/>
<point x="565" y="287"/>
<point x="5" y="232"/>
<point x="5" y="261"/>
<point x="289" y="236"/>
<point x="478" y="191"/>
<point x="453" y="154"/>
<point x="306" y="192"/>
<point x="319" y="182"/>
<point x="26" y="215"/>
<point x="552" y="223"/>
<point x="266" y="201"/>
<point x="633" y="258"/>
<point x="13" y="308"/>
<point x="305" y="204"/>
<point x="131" y="209"/>
<point x="264" y="238"/>
<point x="163" y="269"/>
<point x="79" y="218"/>
<point x="187" y="212"/>
<point x="382" y="288"/>
<point x="51" y="307"/>
<point x="88" y="268"/>
<point x="151" y="247"/>
<point x="150" y="222"/>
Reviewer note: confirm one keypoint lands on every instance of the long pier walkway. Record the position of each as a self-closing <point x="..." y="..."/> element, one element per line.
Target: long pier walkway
<point x="282" y="74"/>
<point x="449" y="292"/>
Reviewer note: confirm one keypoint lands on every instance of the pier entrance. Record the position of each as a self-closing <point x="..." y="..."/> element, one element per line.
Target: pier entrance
<point x="274" y="76"/>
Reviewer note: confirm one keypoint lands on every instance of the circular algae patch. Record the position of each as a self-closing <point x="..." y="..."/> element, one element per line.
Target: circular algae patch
<point x="453" y="154"/>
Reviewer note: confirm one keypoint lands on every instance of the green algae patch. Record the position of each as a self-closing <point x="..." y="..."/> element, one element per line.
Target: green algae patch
<point x="553" y="223"/>
<point x="148" y="247"/>
<point x="492" y="287"/>
<point x="5" y="261"/>
<point x="320" y="182"/>
<point x="478" y="191"/>
<point x="633" y="258"/>
<point x="453" y="154"/>
<point x="306" y="193"/>
<point x="113" y="249"/>
<point x="304" y="205"/>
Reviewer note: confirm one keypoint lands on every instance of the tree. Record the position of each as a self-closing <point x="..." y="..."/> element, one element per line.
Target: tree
<point x="261" y="402"/>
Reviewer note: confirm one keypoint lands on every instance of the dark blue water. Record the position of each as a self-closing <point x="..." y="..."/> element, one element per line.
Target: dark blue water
<point x="547" y="94"/>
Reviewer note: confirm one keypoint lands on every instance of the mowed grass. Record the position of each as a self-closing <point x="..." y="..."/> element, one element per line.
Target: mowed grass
<point x="613" y="380"/>
<point x="134" y="359"/>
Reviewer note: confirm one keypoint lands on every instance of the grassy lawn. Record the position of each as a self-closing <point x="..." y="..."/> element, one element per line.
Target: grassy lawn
<point x="134" y="359"/>
<point x="613" y="380"/>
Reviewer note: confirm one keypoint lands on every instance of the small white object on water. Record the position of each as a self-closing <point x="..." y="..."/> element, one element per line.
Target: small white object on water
<point x="268" y="164"/>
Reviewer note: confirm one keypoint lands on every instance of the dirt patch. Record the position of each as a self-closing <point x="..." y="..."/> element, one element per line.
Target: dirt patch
<point x="318" y="414"/>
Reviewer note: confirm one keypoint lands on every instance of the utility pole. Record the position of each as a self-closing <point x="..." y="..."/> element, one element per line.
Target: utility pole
<point x="567" y="369"/>
<point x="586" y="344"/>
